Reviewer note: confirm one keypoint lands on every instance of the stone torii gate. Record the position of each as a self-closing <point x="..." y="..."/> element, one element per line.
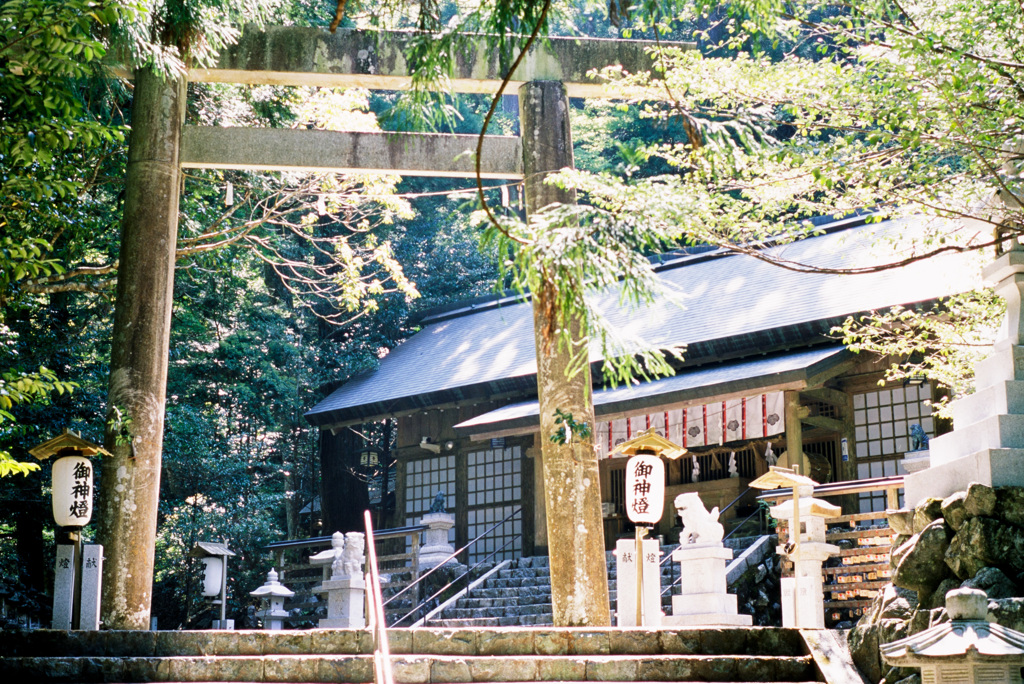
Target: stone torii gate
<point x="160" y="148"/>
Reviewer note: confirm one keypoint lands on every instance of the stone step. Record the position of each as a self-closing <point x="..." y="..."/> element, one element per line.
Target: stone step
<point x="994" y="432"/>
<point x="573" y="641"/>
<point x="1005" y="396"/>
<point x="410" y="669"/>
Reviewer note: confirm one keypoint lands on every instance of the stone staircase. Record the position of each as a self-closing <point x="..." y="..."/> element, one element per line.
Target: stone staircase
<point x="420" y="656"/>
<point x="520" y="595"/>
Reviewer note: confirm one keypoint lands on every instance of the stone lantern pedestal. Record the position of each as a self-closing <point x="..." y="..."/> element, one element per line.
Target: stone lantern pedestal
<point x="435" y="549"/>
<point x="704" y="597"/>
<point x="346" y="588"/>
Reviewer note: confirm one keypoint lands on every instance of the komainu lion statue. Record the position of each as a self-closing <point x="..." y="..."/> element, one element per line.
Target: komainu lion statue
<point x="699" y="526"/>
<point x="355" y="544"/>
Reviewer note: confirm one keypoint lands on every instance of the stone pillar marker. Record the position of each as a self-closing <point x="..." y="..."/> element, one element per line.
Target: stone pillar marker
<point x="626" y="563"/>
<point x="704" y="598"/>
<point x="346" y="588"/>
<point x="92" y="578"/>
<point x="64" y="587"/>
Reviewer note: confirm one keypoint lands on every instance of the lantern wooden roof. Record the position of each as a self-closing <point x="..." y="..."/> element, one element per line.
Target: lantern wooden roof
<point x="203" y="549"/>
<point x="67" y="441"/>
<point x="777" y="477"/>
<point x="650" y="441"/>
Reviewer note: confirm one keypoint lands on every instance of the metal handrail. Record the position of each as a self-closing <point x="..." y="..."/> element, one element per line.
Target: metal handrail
<point x="382" y="673"/>
<point x="390" y="533"/>
<point x="452" y="583"/>
<point x="450" y="557"/>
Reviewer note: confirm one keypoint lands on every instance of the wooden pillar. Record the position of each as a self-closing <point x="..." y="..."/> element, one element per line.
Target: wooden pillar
<point x="540" y="516"/>
<point x="795" y="434"/>
<point x="462" y="503"/>
<point x="572" y="494"/>
<point x="130" y="483"/>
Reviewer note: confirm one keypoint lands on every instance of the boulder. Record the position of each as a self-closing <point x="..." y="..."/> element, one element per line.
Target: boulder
<point x="1010" y="505"/>
<point x="986" y="542"/>
<point x="912" y="679"/>
<point x="1008" y="612"/>
<point x="980" y="500"/>
<point x="901" y="546"/>
<point x="937" y="599"/>
<point x="863" y="643"/>
<point x="901" y="520"/>
<point x="921" y="569"/>
<point x="926" y="512"/>
<point x="993" y="582"/>
<point x="954" y="511"/>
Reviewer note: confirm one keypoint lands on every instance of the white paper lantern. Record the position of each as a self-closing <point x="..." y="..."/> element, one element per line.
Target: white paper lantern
<point x="72" y="491"/>
<point x="213" y="574"/>
<point x="645" y="489"/>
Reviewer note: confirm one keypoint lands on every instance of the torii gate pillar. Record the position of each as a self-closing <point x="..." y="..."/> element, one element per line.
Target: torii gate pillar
<point x="572" y="496"/>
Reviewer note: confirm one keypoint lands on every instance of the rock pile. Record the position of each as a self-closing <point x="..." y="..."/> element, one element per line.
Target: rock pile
<point x="973" y="538"/>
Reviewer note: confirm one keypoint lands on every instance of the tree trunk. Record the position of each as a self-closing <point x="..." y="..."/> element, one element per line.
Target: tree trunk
<point x="130" y="482"/>
<point x="572" y="492"/>
<point x="343" y="495"/>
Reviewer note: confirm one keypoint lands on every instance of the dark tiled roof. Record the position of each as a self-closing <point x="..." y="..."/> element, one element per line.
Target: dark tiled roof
<point x="720" y="305"/>
<point x="733" y="378"/>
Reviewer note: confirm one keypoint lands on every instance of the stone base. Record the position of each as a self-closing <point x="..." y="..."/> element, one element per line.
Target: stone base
<point x="916" y="461"/>
<point x="709" y="619"/>
<point x="704" y="604"/>
<point x="992" y="467"/>
<point x="227" y="624"/>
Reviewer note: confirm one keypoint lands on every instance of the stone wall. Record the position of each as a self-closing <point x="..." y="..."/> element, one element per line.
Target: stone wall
<point x="973" y="538"/>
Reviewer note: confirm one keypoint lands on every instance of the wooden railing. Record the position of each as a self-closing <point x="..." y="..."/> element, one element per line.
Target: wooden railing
<point x="855" y="576"/>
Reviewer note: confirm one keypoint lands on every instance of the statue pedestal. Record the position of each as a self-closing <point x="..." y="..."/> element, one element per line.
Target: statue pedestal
<point x="704" y="599"/>
<point x="345" y="597"/>
<point x="436" y="549"/>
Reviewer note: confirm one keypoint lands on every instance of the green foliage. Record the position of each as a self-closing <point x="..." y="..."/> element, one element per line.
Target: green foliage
<point x="942" y="343"/>
<point x="569" y="428"/>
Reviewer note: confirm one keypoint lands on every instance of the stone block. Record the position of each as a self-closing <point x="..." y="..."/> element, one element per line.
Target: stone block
<point x="339" y="641"/>
<point x="665" y="669"/>
<point x="145" y="670"/>
<point x="191" y="643"/>
<point x="506" y="642"/>
<point x="722" y="641"/>
<point x="994" y="432"/>
<point x="634" y="642"/>
<point x="289" y="642"/>
<point x="351" y="669"/>
<point x="1002" y="397"/>
<point x="444" y="641"/>
<point x="589" y="643"/>
<point x="704" y="604"/>
<point x="715" y="669"/>
<point x="611" y="669"/>
<point x="680" y="641"/>
<point x="549" y="642"/>
<point x="239" y="669"/>
<point x="992" y="467"/>
<point x="508" y="669"/>
<point x="291" y="668"/>
<point x="561" y="670"/>
<point x="754" y="669"/>
<point x="446" y="670"/>
<point x="1004" y="364"/>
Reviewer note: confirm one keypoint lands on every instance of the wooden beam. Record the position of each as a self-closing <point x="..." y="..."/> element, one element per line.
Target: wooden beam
<point x="830" y="424"/>
<point x="299" y="56"/>
<point x="301" y="150"/>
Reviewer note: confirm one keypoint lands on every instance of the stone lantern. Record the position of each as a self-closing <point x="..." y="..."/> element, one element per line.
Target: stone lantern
<point x="803" y="598"/>
<point x="79" y="570"/>
<point x="967" y="649"/>
<point x="274" y="593"/>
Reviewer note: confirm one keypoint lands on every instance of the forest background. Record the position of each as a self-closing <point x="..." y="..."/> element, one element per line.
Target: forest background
<point x="282" y="293"/>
